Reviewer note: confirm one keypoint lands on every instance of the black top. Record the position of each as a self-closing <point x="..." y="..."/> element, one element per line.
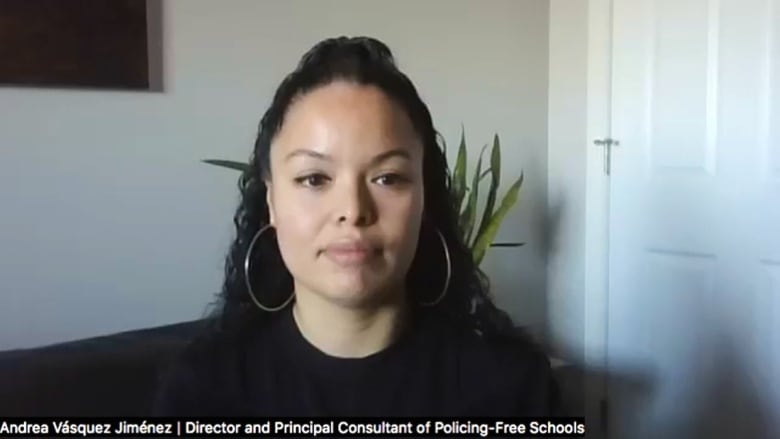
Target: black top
<point x="433" y="369"/>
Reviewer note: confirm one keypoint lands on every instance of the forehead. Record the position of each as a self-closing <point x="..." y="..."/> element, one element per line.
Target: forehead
<point x="344" y="115"/>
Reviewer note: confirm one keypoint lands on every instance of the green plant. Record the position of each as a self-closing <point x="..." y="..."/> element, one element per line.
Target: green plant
<point x="479" y="238"/>
<point x="466" y="197"/>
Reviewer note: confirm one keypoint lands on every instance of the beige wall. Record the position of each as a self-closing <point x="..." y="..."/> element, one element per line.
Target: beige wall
<point x="109" y="222"/>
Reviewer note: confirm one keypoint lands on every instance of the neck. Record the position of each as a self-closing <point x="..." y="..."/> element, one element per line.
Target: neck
<point x="345" y="332"/>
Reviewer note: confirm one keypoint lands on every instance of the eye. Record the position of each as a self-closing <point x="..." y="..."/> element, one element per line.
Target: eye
<point x="312" y="180"/>
<point x="391" y="179"/>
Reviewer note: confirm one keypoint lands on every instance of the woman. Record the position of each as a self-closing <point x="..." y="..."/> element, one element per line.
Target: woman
<point x="348" y="290"/>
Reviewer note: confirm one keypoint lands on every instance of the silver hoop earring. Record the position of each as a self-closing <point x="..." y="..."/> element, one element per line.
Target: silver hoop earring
<point x="246" y="275"/>
<point x="449" y="272"/>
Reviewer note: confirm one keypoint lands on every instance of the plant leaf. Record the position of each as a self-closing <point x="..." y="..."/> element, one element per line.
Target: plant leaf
<point x="228" y="164"/>
<point x="481" y="177"/>
<point x="484" y="240"/>
<point x="470" y="213"/>
<point x="459" y="173"/>
<point x="495" y="181"/>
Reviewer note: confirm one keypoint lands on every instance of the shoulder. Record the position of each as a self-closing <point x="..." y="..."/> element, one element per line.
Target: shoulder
<point x="496" y="353"/>
<point x="204" y="376"/>
<point x="504" y="372"/>
<point x="508" y="357"/>
<point x="186" y="383"/>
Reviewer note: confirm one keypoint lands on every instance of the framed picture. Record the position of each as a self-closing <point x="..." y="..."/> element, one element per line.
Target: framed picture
<point x="113" y="44"/>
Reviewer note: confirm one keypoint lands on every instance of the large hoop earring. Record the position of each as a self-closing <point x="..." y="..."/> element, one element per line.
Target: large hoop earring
<point x="449" y="271"/>
<point x="246" y="275"/>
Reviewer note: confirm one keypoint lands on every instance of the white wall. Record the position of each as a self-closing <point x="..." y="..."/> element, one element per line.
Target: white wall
<point x="567" y="174"/>
<point x="109" y="222"/>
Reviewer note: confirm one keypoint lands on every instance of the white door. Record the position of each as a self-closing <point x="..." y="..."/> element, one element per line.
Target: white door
<point x="694" y="247"/>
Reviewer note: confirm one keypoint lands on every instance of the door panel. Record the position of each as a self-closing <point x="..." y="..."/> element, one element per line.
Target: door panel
<point x="694" y="260"/>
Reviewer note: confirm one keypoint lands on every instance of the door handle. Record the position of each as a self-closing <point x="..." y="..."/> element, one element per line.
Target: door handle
<point x="607" y="143"/>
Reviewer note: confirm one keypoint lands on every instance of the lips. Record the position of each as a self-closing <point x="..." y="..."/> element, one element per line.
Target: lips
<point x="350" y="253"/>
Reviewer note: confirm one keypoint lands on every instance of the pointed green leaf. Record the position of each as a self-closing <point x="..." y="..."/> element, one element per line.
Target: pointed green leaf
<point x="495" y="157"/>
<point x="484" y="240"/>
<point x="463" y="213"/>
<point x="462" y="207"/>
<point x="465" y="197"/>
<point x="495" y="180"/>
<point x="459" y="173"/>
<point x="228" y="164"/>
<point x="471" y="206"/>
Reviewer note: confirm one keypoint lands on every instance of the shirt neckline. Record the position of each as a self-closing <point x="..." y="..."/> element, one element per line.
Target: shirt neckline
<point x="310" y="358"/>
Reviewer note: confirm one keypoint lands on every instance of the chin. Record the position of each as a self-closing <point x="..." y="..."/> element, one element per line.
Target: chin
<point x="356" y="294"/>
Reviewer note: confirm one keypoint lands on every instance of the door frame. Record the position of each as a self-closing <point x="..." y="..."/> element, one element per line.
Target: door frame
<point x="596" y="257"/>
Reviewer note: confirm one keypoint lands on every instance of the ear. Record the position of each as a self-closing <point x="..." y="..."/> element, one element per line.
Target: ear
<point x="269" y="199"/>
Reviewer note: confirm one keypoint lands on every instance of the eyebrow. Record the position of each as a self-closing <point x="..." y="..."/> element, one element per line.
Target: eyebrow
<point x="308" y="153"/>
<point x="398" y="152"/>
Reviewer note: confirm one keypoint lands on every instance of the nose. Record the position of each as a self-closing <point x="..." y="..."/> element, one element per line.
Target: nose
<point x="355" y="206"/>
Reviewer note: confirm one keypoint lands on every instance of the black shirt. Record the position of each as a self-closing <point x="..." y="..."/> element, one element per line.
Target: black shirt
<point x="434" y="369"/>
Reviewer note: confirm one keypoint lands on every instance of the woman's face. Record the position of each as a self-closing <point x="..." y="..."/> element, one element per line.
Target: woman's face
<point x="346" y="194"/>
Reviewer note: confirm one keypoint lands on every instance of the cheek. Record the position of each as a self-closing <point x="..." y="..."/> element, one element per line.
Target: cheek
<point x="297" y="228"/>
<point x="401" y="220"/>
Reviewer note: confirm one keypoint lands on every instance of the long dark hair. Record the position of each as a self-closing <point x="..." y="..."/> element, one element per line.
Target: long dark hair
<point x="364" y="61"/>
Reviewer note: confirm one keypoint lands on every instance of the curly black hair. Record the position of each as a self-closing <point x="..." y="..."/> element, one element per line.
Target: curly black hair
<point x="364" y="61"/>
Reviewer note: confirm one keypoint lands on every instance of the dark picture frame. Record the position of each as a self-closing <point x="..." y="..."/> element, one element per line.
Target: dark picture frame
<point x="106" y="44"/>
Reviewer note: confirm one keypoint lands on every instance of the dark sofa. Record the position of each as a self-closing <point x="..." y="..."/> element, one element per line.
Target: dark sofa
<point x="114" y="375"/>
<point x="117" y="375"/>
